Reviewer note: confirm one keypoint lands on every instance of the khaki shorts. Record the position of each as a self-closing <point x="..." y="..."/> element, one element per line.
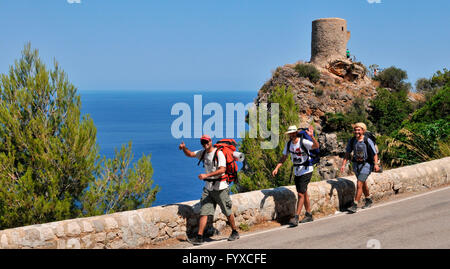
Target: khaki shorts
<point x="210" y="199"/>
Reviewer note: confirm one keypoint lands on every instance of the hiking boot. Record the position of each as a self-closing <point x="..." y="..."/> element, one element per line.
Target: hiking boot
<point x="197" y="241"/>
<point x="368" y="203"/>
<point x="308" y="218"/>
<point x="234" y="235"/>
<point x="353" y="208"/>
<point x="294" y="221"/>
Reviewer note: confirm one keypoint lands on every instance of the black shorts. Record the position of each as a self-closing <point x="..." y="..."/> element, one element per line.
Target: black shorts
<point x="301" y="182"/>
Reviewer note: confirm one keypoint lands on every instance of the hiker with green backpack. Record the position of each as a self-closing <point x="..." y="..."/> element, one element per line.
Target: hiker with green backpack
<point x="364" y="161"/>
<point x="300" y="148"/>
<point x="220" y="171"/>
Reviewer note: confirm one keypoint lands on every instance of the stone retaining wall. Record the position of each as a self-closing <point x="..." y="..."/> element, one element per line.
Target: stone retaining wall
<point x="132" y="229"/>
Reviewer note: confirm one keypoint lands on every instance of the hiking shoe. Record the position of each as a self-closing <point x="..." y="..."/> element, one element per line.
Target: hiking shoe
<point x="294" y="222"/>
<point x="308" y="218"/>
<point x="368" y="203"/>
<point x="234" y="235"/>
<point x="353" y="208"/>
<point x="197" y="241"/>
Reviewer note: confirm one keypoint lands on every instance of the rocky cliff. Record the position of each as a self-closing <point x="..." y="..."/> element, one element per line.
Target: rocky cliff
<point x="336" y="90"/>
<point x="340" y="83"/>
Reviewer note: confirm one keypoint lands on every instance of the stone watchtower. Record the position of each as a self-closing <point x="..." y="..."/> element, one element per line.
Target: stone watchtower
<point x="329" y="40"/>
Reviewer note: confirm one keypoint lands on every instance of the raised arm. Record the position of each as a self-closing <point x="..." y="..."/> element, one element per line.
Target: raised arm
<point x="186" y="151"/>
<point x="310" y="132"/>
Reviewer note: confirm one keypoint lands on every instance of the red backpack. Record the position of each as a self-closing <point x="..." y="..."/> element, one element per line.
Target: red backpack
<point x="228" y="147"/>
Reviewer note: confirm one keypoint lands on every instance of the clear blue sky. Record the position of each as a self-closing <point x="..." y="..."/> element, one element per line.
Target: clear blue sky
<point x="214" y="45"/>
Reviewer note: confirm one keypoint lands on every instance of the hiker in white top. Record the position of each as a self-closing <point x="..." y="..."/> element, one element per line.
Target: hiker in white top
<point x="303" y="169"/>
<point x="298" y="156"/>
<point x="216" y="191"/>
<point x="211" y="166"/>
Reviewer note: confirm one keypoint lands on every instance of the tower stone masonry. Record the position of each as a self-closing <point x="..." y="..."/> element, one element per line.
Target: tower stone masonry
<point x="329" y="37"/>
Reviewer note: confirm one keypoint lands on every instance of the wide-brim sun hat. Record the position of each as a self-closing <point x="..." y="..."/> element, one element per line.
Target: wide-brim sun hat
<point x="291" y="129"/>
<point x="361" y="125"/>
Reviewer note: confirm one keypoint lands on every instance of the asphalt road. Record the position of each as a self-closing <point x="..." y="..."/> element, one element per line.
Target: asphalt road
<point x="419" y="221"/>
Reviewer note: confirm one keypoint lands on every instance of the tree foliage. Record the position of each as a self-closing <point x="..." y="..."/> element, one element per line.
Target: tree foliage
<point x="259" y="163"/>
<point x="423" y="137"/>
<point x="393" y="78"/>
<point x="429" y="87"/>
<point x="440" y="78"/>
<point x="438" y="107"/>
<point x="341" y="123"/>
<point x="117" y="188"/>
<point x="48" y="151"/>
<point x="423" y="85"/>
<point x="389" y="110"/>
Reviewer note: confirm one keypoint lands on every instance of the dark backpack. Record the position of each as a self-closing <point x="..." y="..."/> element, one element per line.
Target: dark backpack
<point x="314" y="154"/>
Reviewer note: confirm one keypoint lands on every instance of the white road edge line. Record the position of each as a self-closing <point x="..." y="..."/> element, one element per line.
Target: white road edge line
<point x="337" y="214"/>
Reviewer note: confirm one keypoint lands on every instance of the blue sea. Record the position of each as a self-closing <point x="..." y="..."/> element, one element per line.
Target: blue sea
<point x="144" y="117"/>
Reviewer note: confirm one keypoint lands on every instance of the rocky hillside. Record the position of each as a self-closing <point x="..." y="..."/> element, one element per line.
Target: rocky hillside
<point x="340" y="83"/>
<point x="334" y="92"/>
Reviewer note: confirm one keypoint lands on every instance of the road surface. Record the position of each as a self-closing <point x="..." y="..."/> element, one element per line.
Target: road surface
<point x="419" y="221"/>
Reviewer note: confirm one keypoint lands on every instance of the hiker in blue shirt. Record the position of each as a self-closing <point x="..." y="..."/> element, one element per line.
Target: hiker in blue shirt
<point x="364" y="161"/>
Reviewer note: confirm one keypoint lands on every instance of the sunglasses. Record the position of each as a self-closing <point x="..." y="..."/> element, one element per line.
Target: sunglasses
<point x="204" y="142"/>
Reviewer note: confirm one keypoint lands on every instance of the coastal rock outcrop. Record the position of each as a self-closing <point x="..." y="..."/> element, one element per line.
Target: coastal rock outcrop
<point x="332" y="93"/>
<point x="341" y="82"/>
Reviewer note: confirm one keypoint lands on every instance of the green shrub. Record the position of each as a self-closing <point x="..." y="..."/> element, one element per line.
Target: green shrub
<point x="423" y="85"/>
<point x="318" y="92"/>
<point x="341" y="122"/>
<point x="259" y="163"/>
<point x="334" y="122"/>
<point x="393" y="78"/>
<point x="308" y="71"/>
<point x="430" y="87"/>
<point x="438" y="107"/>
<point x="407" y="147"/>
<point x="441" y="78"/>
<point x="389" y="110"/>
<point x="422" y="138"/>
<point x="244" y="227"/>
